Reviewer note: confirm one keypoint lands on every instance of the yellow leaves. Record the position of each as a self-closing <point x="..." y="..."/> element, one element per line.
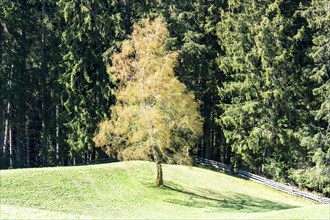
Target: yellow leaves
<point x="122" y="62"/>
<point x="150" y="37"/>
<point x="101" y="138"/>
<point x="153" y="108"/>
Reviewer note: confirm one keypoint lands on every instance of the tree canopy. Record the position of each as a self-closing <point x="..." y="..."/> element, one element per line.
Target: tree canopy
<point x="155" y="116"/>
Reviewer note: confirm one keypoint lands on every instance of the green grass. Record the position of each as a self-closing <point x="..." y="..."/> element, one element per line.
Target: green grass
<point x="126" y="190"/>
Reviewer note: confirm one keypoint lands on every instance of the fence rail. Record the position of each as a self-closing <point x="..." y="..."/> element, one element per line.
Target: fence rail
<point x="262" y="180"/>
<point x="212" y="164"/>
<point x="98" y="161"/>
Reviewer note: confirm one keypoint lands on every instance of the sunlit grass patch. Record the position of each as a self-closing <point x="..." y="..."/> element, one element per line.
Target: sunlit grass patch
<point x="127" y="190"/>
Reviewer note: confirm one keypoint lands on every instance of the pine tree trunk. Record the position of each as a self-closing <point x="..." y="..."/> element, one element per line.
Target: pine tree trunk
<point x="7" y="123"/>
<point x="18" y="146"/>
<point x="57" y="135"/>
<point x="228" y="155"/>
<point x="27" y="139"/>
<point x="5" y="140"/>
<point x="27" y="151"/>
<point x="207" y="145"/>
<point x="43" y="93"/>
<point x="94" y="153"/>
<point x="86" y="157"/>
<point x="10" y="147"/>
<point x="2" y="113"/>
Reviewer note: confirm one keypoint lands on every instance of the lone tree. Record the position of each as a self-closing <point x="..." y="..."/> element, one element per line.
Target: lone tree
<point x="155" y="117"/>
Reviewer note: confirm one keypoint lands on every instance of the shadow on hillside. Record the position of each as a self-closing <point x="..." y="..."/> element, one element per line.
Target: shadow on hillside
<point x="238" y="202"/>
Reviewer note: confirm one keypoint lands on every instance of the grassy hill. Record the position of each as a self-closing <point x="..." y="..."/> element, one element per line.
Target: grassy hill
<point x="126" y="190"/>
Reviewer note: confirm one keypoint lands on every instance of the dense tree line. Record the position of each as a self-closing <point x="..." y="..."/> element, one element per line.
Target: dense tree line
<point x="260" y="70"/>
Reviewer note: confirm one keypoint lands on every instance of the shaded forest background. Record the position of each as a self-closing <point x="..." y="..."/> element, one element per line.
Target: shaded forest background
<point x="259" y="68"/>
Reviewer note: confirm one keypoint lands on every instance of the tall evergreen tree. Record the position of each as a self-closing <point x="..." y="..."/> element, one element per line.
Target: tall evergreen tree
<point x="90" y="28"/>
<point x="262" y="96"/>
<point x="192" y="26"/>
<point x="314" y="173"/>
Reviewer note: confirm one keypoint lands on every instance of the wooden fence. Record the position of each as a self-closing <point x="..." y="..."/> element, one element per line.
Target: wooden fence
<point x="212" y="164"/>
<point x="98" y="161"/>
<point x="262" y="180"/>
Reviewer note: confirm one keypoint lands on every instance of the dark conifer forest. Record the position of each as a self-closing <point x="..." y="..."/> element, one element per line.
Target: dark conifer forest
<point x="259" y="70"/>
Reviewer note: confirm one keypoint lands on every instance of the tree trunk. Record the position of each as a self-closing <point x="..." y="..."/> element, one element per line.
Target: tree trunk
<point x="19" y="147"/>
<point x="5" y="140"/>
<point x="27" y="151"/>
<point x="86" y="157"/>
<point x="228" y="155"/>
<point x="57" y="135"/>
<point x="8" y="128"/>
<point x="10" y="147"/>
<point x="27" y="139"/>
<point x="2" y="115"/>
<point x="159" y="179"/>
<point x="44" y="136"/>
<point x="94" y="154"/>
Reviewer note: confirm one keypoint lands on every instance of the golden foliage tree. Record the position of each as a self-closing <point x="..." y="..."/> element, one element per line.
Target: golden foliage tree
<point x="155" y="117"/>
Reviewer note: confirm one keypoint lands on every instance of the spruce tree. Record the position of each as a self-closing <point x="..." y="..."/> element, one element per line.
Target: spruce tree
<point x="90" y="29"/>
<point x="193" y="32"/>
<point x="262" y="97"/>
<point x="314" y="172"/>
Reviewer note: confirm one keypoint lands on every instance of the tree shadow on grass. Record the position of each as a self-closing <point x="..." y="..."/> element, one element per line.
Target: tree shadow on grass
<point x="237" y="202"/>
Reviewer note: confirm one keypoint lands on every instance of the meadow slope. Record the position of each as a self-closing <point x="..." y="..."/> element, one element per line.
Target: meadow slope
<point x="127" y="190"/>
